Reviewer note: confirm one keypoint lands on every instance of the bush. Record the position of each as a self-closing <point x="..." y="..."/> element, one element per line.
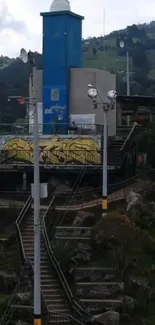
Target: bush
<point x="125" y="246"/>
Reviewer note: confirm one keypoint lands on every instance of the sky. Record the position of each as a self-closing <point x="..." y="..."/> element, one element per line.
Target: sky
<point x="21" y="24"/>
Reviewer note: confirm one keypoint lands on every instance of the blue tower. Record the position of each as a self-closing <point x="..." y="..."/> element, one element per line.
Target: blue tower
<point x="62" y="50"/>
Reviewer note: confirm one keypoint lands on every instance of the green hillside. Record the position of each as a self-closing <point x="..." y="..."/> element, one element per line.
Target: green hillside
<point x="100" y="53"/>
<point x="104" y="53"/>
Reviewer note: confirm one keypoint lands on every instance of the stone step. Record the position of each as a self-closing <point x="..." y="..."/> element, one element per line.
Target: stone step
<point x="71" y="238"/>
<point x="73" y="231"/>
<point x="49" y="293"/>
<point x="101" y="305"/>
<point x="58" y="310"/>
<point x="94" y="274"/>
<point x="99" y="290"/>
<point x="59" y="321"/>
<point x="54" y="291"/>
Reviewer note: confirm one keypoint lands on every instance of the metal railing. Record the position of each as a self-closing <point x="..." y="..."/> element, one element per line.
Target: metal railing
<point x="52" y="128"/>
<point x="77" y="310"/>
<point x="131" y="136"/>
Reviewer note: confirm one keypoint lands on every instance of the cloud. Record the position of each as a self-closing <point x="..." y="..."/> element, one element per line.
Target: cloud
<point x="7" y="21"/>
<point x="27" y="32"/>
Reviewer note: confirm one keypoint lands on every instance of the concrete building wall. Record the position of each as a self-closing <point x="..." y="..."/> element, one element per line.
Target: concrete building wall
<point x="79" y="101"/>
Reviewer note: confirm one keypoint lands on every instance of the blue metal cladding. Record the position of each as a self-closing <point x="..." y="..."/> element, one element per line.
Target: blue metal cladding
<point x="62" y="49"/>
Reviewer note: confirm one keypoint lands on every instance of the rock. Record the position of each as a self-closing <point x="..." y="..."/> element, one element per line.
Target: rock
<point x="109" y="318"/>
<point x="133" y="199"/>
<point x="81" y="216"/>
<point x="83" y="252"/>
<point x="138" y="286"/>
<point x="24" y="297"/>
<point x="128" y="305"/>
<point x="7" y="282"/>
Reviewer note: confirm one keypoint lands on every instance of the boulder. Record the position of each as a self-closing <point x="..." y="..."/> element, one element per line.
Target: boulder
<point x="138" y="286"/>
<point x="128" y="305"/>
<point x="133" y="199"/>
<point x="109" y="318"/>
<point x="24" y="298"/>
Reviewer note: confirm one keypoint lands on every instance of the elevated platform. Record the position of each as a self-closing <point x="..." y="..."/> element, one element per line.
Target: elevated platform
<point x="61" y="167"/>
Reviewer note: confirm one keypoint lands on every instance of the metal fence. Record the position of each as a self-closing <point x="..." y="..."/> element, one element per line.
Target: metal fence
<point x="52" y="128"/>
<point x="50" y="156"/>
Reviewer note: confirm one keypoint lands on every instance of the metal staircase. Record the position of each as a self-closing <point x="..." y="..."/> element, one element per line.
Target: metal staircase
<point x="114" y="153"/>
<point x="53" y="295"/>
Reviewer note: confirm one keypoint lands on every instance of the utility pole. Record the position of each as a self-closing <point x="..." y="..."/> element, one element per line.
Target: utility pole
<point x="28" y="57"/>
<point x="128" y="73"/>
<point x="37" y="226"/>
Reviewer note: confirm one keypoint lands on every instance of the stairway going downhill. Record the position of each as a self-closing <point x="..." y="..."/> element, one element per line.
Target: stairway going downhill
<point x="52" y="293"/>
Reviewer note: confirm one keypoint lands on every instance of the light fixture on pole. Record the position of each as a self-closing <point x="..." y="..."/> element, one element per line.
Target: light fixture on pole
<point x="28" y="57"/>
<point x="111" y="96"/>
<point x="123" y="45"/>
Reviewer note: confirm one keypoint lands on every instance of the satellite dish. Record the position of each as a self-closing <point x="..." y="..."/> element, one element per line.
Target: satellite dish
<point x="121" y="44"/>
<point x="24" y="55"/>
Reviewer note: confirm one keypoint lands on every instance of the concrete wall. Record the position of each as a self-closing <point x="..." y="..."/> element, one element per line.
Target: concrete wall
<point x="79" y="101"/>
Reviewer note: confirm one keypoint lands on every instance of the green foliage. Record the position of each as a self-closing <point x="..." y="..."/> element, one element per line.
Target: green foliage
<point x="123" y="244"/>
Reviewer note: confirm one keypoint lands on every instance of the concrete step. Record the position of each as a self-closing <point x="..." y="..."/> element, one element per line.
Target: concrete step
<point x="49" y="293"/>
<point x="101" y="305"/>
<point x="58" y="321"/>
<point x="47" y="286"/>
<point x="94" y="274"/>
<point x="73" y="231"/>
<point x="71" y="238"/>
<point x="99" y="290"/>
<point x="55" y="309"/>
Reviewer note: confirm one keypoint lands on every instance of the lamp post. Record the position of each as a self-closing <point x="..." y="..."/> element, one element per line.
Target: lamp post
<point x="25" y="57"/>
<point x="111" y="95"/>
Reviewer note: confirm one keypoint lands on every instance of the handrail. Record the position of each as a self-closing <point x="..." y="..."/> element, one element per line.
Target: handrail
<point x="72" y="302"/>
<point x="135" y="126"/>
<point x="18" y="221"/>
<point x="129" y="135"/>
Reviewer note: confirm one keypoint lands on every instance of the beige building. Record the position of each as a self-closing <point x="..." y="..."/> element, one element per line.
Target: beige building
<point x="79" y="101"/>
